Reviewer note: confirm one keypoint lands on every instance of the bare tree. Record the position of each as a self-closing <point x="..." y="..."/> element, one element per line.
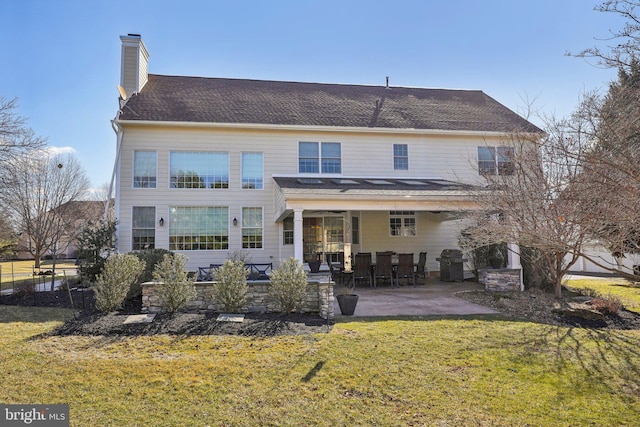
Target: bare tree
<point x="16" y="138"/>
<point x="623" y="45"/>
<point x="527" y="200"/>
<point x="38" y="193"/>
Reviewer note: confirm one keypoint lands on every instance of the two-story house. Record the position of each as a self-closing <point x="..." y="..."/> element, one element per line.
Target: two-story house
<point x="207" y="166"/>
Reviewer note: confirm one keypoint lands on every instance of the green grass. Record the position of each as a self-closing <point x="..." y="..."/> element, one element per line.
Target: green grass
<point x="476" y="371"/>
<point x="626" y="290"/>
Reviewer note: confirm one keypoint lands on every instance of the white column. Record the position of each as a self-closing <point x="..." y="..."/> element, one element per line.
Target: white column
<point x="298" y="249"/>
<point x="513" y="260"/>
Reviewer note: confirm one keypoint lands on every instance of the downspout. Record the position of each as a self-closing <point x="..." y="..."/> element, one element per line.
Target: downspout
<point x="118" y="131"/>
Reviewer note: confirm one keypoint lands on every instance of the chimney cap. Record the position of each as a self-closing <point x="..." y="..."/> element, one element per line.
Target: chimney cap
<point x="134" y="35"/>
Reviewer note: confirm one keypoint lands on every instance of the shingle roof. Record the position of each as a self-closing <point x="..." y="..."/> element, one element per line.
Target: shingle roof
<point x="219" y="100"/>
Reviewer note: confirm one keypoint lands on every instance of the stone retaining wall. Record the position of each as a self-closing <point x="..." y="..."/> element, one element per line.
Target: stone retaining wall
<point x="500" y="279"/>
<point x="319" y="298"/>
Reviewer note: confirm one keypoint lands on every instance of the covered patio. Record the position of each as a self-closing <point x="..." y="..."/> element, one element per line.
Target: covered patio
<point x="333" y="218"/>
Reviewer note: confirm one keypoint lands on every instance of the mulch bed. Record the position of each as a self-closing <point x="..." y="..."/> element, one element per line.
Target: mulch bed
<point x="542" y="307"/>
<point x="89" y="322"/>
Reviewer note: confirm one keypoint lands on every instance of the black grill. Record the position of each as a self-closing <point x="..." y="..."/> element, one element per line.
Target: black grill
<point x="451" y="265"/>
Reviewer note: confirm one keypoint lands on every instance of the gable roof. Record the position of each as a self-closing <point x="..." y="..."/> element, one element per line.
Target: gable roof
<point x="241" y="101"/>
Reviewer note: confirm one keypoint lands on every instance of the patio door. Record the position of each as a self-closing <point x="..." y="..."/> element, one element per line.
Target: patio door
<point x="321" y="236"/>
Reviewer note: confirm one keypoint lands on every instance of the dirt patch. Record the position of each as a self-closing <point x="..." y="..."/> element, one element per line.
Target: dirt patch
<point x="88" y="322"/>
<point x="541" y="307"/>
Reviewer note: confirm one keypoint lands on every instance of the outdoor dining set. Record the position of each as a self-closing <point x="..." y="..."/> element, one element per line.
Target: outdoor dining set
<point x="388" y="268"/>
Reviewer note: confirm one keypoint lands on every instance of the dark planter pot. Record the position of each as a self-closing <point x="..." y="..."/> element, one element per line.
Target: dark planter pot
<point x="495" y="263"/>
<point x="314" y="266"/>
<point x="347" y="304"/>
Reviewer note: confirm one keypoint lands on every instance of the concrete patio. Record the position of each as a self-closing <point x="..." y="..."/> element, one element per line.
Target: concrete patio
<point x="434" y="298"/>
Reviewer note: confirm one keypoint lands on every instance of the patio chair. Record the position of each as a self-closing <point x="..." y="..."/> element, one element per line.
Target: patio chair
<point x="421" y="269"/>
<point x="259" y="271"/>
<point x="384" y="268"/>
<point x="204" y="274"/>
<point x="406" y="269"/>
<point x="362" y="268"/>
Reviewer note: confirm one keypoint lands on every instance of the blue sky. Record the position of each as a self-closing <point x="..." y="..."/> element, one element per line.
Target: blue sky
<point x="61" y="58"/>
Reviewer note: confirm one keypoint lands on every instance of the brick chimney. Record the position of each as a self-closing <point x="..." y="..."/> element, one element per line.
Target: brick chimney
<point x="134" y="65"/>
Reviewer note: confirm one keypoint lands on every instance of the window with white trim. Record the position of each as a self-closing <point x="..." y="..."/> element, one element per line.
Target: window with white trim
<point x="287" y="231"/>
<point x="193" y="228"/>
<point x="319" y="157"/>
<point x="402" y="223"/>
<point x="199" y="169"/>
<point x="495" y="160"/>
<point x="400" y="157"/>
<point x="144" y="169"/>
<point x="252" y="228"/>
<point x="252" y="166"/>
<point x="143" y="229"/>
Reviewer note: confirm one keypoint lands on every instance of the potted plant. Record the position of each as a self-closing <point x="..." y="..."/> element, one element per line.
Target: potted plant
<point x="313" y="260"/>
<point x="496" y="258"/>
<point x="347" y="299"/>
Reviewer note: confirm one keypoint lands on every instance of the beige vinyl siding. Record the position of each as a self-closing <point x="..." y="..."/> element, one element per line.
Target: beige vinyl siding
<point x="362" y="154"/>
<point x="433" y="235"/>
<point x="130" y="75"/>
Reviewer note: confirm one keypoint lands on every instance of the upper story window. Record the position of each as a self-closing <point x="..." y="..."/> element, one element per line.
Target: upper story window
<point x="144" y="169"/>
<point x="402" y="223"/>
<point x="252" y="171"/>
<point x="190" y="169"/>
<point x="193" y="228"/>
<point x="495" y="160"/>
<point x="400" y="157"/>
<point x="319" y="157"/>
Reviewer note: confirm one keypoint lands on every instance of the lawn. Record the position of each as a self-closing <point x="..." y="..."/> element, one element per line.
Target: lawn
<point x="438" y="371"/>
<point x="626" y="290"/>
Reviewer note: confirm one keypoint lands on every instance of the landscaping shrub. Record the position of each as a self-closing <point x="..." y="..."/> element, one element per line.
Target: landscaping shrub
<point x="606" y="304"/>
<point x="535" y="269"/>
<point x="231" y="289"/>
<point x="120" y="272"/>
<point x="175" y="287"/>
<point x="151" y="258"/>
<point x="289" y="285"/>
<point x="95" y="244"/>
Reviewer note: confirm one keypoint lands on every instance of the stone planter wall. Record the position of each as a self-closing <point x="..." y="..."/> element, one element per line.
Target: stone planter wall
<point x="500" y="279"/>
<point x="319" y="298"/>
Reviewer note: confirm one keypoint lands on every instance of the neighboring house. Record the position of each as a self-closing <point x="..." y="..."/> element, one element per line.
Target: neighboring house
<point x="207" y="166"/>
<point x="78" y="214"/>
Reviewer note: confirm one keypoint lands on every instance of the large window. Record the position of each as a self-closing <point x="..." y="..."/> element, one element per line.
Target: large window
<point x="252" y="170"/>
<point x="190" y="169"/>
<point x="144" y="169"/>
<point x="144" y="228"/>
<point x="251" y="228"/>
<point x="316" y="157"/>
<point x="400" y="157"/>
<point x="402" y="223"/>
<point x="495" y="160"/>
<point x="193" y="228"/>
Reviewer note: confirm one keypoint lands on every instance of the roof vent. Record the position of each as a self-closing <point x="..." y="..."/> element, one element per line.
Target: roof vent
<point x="387" y="87"/>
